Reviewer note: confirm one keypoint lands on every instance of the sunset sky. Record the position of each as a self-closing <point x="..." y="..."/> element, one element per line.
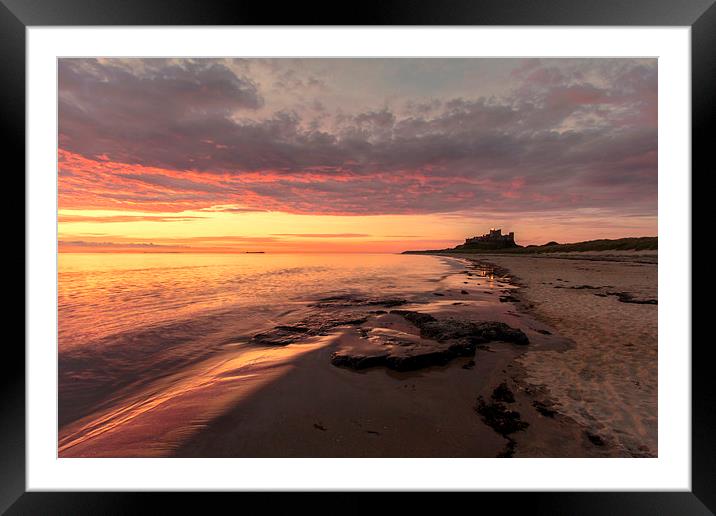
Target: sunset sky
<point x="347" y="155"/>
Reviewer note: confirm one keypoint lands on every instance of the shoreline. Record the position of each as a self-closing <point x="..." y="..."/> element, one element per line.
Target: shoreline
<point x="381" y="413"/>
<point x="610" y="383"/>
<point x="280" y="395"/>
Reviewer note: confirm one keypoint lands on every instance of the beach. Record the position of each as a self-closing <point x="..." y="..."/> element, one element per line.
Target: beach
<point x="606" y="304"/>
<point x="484" y="356"/>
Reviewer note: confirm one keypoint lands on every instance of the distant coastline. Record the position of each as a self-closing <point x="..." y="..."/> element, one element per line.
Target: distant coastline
<point x="619" y="244"/>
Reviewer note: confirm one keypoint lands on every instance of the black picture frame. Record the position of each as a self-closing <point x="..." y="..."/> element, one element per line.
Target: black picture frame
<point x="17" y="15"/>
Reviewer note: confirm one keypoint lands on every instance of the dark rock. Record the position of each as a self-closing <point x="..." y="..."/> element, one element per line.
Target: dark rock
<point x="277" y="337"/>
<point x="440" y="341"/>
<point x="343" y="322"/>
<point x="294" y="329"/>
<point x="464" y="292"/>
<point x="499" y="331"/>
<point x="389" y="302"/>
<point x="438" y="294"/>
<point x="284" y="335"/>
<point x="595" y="439"/>
<point x="469" y="365"/>
<point x="455" y="329"/>
<point x="413" y="362"/>
<point x="348" y="300"/>
<point x="625" y="297"/>
<point x="544" y="332"/>
<point x="509" y="299"/>
<point x="509" y="450"/>
<point x="358" y="361"/>
<point x="417" y="318"/>
<point x="503" y="393"/>
<point x="320" y="427"/>
<point x="544" y="409"/>
<point x="498" y="417"/>
<point x="462" y="348"/>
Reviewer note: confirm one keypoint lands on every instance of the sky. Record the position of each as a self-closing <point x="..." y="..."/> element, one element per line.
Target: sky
<point x="352" y="155"/>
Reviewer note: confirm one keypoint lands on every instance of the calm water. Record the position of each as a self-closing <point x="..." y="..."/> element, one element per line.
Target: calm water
<point x="105" y="295"/>
<point x="127" y="322"/>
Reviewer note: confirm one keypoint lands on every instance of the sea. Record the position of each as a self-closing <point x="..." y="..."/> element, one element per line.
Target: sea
<point x="127" y="320"/>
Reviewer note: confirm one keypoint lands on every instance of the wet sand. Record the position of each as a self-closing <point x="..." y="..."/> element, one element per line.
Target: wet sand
<point x="280" y="395"/>
<point x="317" y="410"/>
<point x="606" y="304"/>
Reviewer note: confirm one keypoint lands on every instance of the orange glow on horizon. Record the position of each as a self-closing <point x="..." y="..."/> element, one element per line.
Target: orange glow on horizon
<point x="92" y="231"/>
<point x="97" y="215"/>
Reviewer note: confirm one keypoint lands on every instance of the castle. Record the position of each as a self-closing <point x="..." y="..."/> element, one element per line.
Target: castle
<point x="492" y="240"/>
<point x="494" y="236"/>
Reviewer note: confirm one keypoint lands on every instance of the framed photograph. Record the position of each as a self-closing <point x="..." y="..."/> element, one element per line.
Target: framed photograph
<point x="416" y="249"/>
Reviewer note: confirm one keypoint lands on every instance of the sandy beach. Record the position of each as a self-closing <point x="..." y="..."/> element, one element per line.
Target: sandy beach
<point x="606" y="304"/>
<point x="502" y="356"/>
<point x="589" y="396"/>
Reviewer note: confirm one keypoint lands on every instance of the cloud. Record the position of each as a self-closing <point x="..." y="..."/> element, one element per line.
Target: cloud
<point x="178" y="134"/>
<point x="232" y="209"/>
<point x="85" y="243"/>
<point x="323" y="235"/>
<point x="112" y="109"/>
<point x="125" y="218"/>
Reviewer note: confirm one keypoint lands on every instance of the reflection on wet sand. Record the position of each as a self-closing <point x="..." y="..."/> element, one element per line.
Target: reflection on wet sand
<point x="355" y="373"/>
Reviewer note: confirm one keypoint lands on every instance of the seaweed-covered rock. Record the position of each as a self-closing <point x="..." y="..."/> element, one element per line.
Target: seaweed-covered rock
<point x="358" y="361"/>
<point x="411" y="362"/>
<point x="438" y="342"/>
<point x="594" y="438"/>
<point x="284" y="335"/>
<point x="417" y="318"/>
<point x="456" y="329"/>
<point x="544" y="409"/>
<point x="626" y="297"/>
<point x="349" y="300"/>
<point x="278" y="336"/>
<point x="503" y="393"/>
<point x="498" y="417"/>
<point x="493" y="330"/>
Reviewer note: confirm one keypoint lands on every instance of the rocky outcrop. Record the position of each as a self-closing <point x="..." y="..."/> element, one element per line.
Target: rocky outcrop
<point x="437" y="342"/>
<point x="327" y="317"/>
<point x="397" y="362"/>
<point x="350" y="301"/>
<point x="503" y="393"/>
<point x="501" y="419"/>
<point x="460" y="330"/>
<point x="287" y="334"/>
<point x="626" y="297"/>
